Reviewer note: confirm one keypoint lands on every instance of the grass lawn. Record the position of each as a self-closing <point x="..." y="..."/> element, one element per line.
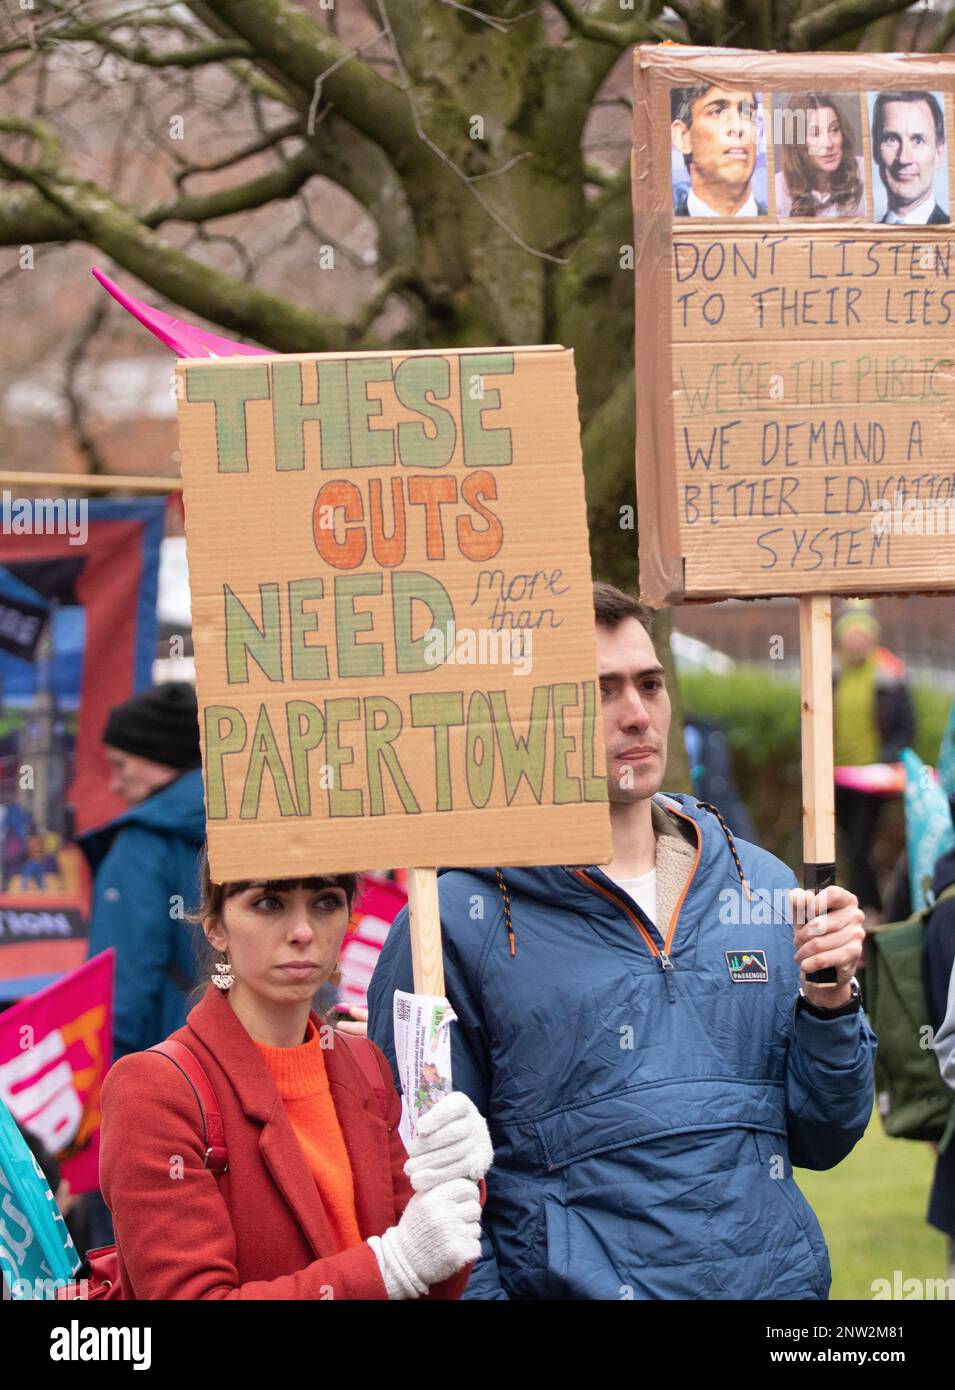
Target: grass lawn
<point x="872" y="1211"/>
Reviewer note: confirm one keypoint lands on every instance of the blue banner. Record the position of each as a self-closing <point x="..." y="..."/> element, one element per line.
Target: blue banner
<point x="37" y="1254"/>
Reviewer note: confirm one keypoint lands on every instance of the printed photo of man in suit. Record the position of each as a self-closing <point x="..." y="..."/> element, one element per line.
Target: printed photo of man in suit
<point x="908" y="151"/>
<point x="716" y="131"/>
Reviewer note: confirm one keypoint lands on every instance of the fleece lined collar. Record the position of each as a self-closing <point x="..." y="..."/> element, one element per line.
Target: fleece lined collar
<point x="675" y="857"/>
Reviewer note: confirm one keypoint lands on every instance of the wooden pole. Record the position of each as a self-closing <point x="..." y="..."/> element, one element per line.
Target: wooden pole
<point x="425" y="922"/>
<point x="91" y="482"/>
<point x="818" y="788"/>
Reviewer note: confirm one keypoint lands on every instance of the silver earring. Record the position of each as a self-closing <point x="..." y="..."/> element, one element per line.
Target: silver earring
<point x="222" y="976"/>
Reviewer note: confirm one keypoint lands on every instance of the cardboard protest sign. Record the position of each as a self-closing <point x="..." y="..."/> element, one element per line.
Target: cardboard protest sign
<point x="392" y="611"/>
<point x="795" y="297"/>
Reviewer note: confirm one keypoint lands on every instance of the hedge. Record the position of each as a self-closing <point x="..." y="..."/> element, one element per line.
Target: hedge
<point x="759" y="713"/>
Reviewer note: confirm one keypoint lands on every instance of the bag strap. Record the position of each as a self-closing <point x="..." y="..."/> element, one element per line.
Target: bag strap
<point x="363" y="1053"/>
<point x="213" y="1131"/>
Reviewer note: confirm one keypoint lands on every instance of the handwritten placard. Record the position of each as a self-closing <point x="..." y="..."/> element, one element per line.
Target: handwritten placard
<point x="794" y="259"/>
<point x="392" y="611"/>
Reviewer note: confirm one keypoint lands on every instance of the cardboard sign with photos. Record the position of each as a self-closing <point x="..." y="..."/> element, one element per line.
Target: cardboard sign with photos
<point x="795" y="312"/>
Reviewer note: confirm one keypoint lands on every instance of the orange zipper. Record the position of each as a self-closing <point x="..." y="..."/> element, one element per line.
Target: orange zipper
<point x="612" y="897"/>
<point x="671" y="929"/>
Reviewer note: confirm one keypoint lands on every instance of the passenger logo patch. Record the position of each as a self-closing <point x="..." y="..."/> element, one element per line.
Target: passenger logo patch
<point x="747" y="967"/>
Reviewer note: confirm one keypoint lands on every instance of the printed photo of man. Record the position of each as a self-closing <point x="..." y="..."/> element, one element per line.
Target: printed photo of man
<point x="715" y="136"/>
<point x="908" y="153"/>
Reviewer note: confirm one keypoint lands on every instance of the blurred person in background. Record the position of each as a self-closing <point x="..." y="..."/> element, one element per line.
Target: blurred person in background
<point x="873" y="721"/>
<point x="146" y="862"/>
<point x="145" y="867"/>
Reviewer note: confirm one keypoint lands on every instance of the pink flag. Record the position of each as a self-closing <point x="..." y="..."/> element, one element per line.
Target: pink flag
<point x="371" y="919"/>
<point x="184" y="338"/>
<point x="878" y="779"/>
<point x="55" y="1050"/>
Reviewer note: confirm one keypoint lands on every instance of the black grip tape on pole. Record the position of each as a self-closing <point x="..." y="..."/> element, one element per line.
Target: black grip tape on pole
<point x="816" y="877"/>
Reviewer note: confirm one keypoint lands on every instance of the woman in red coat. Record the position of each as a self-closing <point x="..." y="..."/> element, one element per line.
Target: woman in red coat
<point x="319" y="1200"/>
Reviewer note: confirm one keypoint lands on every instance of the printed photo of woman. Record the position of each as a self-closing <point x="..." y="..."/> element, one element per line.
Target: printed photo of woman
<point x="818" y="171"/>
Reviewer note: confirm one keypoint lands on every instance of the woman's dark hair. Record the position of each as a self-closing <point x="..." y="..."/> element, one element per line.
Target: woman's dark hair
<point x="802" y="176"/>
<point x="214" y="896"/>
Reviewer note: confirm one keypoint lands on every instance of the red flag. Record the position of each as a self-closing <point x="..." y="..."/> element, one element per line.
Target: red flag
<point x="55" y="1050"/>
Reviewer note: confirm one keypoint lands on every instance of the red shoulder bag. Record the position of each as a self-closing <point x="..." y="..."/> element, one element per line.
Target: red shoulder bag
<point x="99" y="1279"/>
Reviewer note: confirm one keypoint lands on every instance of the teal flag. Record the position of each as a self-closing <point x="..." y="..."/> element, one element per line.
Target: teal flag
<point x="37" y="1254"/>
<point x="946" y="756"/>
<point x="928" y="825"/>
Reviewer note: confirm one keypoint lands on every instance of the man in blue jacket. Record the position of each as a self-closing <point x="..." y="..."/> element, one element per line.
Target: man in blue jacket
<point x="638" y="1039"/>
<point x="146" y="861"/>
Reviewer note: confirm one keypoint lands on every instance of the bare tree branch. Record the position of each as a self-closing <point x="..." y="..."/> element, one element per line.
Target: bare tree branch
<point x="449" y="163"/>
<point x="636" y="30"/>
<point x="944" y="34"/>
<point x="601" y="178"/>
<point x="63" y="23"/>
<point x="360" y="167"/>
<point x="10" y="73"/>
<point x="46" y="137"/>
<point x="277" y="183"/>
<point x="321" y="79"/>
<point x="27" y="219"/>
<point x="175" y="57"/>
<point x="106" y="224"/>
<point x="493" y="173"/>
<point x="139" y="53"/>
<point x="266" y="141"/>
<point x="832" y="20"/>
<point x="290" y="45"/>
<point x="395" y="279"/>
<point x="503" y="26"/>
<point x="74" y="398"/>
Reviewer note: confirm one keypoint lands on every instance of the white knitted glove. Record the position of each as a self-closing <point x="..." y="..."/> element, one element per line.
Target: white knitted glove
<point x="439" y="1233"/>
<point x="452" y="1142"/>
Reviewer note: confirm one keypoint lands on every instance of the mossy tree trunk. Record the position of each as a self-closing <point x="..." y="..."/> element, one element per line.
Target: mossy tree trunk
<point x="467" y="153"/>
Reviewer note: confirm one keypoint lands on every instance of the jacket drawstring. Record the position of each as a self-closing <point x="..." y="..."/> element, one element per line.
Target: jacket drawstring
<point x="707" y="806"/>
<point x="508" y="924"/>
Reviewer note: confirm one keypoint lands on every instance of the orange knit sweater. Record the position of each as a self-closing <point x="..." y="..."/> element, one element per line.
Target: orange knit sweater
<point x="302" y="1082"/>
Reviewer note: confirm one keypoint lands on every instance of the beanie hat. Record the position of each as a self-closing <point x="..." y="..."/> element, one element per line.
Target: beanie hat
<point x="161" y="724"/>
<point x="857" y="615"/>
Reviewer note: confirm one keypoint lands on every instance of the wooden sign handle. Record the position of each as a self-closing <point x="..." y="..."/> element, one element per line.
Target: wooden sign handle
<point x="425" y="921"/>
<point x="90" y="482"/>
<point x="818" y="788"/>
